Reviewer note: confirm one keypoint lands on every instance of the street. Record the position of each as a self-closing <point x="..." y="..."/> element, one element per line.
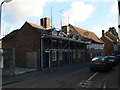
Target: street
<point x="79" y="78"/>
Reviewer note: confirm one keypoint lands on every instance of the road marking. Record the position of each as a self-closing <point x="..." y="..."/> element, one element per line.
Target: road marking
<point x="87" y="83"/>
<point x="105" y="85"/>
<point x="106" y="81"/>
<point x="92" y="76"/>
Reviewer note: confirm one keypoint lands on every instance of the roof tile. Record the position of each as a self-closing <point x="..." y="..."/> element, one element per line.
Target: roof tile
<point x="89" y="34"/>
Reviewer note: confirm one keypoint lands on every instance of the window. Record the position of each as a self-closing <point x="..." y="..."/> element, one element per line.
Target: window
<point x="60" y="55"/>
<point x="79" y="54"/>
<point x="61" y="34"/>
<point x="54" y="55"/>
<point x="74" y="36"/>
<point x="74" y="54"/>
<point x="54" y="33"/>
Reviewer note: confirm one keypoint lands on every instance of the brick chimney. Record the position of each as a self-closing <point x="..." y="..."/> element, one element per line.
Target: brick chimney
<point x="103" y="32"/>
<point x="45" y="22"/>
<point x="65" y="29"/>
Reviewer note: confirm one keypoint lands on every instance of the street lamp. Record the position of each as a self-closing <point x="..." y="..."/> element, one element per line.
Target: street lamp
<point x="6" y="1"/>
<point x="1" y="51"/>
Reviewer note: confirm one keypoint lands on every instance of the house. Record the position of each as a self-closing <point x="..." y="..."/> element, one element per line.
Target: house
<point x="24" y="40"/>
<point x="40" y="46"/>
<point x="94" y="48"/>
<point x="110" y="43"/>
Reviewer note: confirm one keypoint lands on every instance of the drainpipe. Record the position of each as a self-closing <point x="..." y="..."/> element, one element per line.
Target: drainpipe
<point x="42" y="52"/>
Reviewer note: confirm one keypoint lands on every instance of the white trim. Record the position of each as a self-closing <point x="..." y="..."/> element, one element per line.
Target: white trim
<point x="47" y="51"/>
<point x="49" y="61"/>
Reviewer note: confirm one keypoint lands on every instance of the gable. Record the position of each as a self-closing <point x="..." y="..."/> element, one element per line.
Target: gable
<point x="111" y="36"/>
<point x="72" y="31"/>
<point x="87" y="34"/>
<point x="11" y="35"/>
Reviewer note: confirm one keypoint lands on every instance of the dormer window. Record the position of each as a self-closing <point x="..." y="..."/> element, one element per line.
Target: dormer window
<point x="70" y="32"/>
<point x="54" y="32"/>
<point x="74" y="37"/>
<point x="61" y="34"/>
<point x="79" y="38"/>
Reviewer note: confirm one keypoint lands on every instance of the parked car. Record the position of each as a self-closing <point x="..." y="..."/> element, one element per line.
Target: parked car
<point x="100" y="63"/>
<point x="112" y="60"/>
<point x="118" y="58"/>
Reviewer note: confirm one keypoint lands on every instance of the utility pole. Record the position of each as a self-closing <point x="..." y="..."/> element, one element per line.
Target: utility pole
<point x="119" y="18"/>
<point x="51" y="17"/>
<point x="68" y="21"/>
<point x="61" y="17"/>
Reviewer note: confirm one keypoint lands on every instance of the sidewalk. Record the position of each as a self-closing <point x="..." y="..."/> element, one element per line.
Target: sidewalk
<point x="38" y="73"/>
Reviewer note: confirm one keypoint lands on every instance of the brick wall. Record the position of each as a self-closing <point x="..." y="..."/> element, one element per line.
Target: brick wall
<point x="27" y="40"/>
<point x="108" y="46"/>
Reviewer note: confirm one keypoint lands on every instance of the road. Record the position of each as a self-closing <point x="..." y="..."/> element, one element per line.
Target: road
<point x="78" y="78"/>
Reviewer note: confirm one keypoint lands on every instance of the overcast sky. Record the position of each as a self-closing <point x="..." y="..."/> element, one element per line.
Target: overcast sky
<point x="92" y="15"/>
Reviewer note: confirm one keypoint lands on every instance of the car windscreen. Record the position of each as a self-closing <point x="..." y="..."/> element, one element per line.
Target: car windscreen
<point x="112" y="58"/>
<point x="98" y="59"/>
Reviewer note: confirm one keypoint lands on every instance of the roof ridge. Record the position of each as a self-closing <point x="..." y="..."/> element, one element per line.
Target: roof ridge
<point x="35" y="25"/>
<point x="112" y="34"/>
<point x="80" y="28"/>
<point x="108" y="38"/>
<point x="91" y="34"/>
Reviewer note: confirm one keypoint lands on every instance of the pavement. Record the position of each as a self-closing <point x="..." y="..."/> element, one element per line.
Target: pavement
<point x="26" y="74"/>
<point x="23" y="70"/>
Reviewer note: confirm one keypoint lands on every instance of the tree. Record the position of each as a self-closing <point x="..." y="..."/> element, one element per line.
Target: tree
<point x="113" y="31"/>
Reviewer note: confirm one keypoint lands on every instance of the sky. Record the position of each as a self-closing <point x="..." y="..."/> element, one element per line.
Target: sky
<point x="91" y="15"/>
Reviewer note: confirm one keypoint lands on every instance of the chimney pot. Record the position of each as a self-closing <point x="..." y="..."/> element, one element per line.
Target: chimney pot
<point x="103" y="32"/>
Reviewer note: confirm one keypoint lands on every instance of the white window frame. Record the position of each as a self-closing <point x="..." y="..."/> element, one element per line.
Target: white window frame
<point x="79" y="54"/>
<point x="74" y="54"/>
<point x="60" y="55"/>
<point x="54" y="55"/>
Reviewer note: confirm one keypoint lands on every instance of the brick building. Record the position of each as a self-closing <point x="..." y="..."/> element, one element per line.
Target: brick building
<point x="110" y="43"/>
<point x="40" y="46"/>
<point x="94" y="48"/>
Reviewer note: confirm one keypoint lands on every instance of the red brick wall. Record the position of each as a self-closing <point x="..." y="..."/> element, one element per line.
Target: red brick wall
<point x="108" y="46"/>
<point x="8" y="43"/>
<point x="27" y="40"/>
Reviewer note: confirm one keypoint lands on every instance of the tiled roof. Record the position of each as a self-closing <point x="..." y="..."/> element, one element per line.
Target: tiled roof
<point x="64" y="34"/>
<point x="111" y="36"/>
<point x="36" y="26"/>
<point x="108" y="38"/>
<point x="90" y="35"/>
<point x="11" y="35"/>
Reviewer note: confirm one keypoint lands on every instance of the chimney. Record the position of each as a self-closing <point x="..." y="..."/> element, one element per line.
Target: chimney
<point x="65" y="29"/>
<point x="45" y="22"/>
<point x="103" y="32"/>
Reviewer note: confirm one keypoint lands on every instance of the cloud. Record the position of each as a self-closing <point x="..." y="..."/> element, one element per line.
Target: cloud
<point x="97" y="29"/>
<point x="19" y="10"/>
<point x="56" y="0"/>
<point x="78" y="12"/>
<point x="99" y="0"/>
<point x="114" y="8"/>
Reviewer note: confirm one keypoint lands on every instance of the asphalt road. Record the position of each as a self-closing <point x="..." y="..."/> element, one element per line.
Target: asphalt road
<point x="78" y="78"/>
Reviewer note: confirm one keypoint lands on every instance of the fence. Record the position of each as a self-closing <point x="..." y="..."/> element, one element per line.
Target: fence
<point x="8" y="61"/>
